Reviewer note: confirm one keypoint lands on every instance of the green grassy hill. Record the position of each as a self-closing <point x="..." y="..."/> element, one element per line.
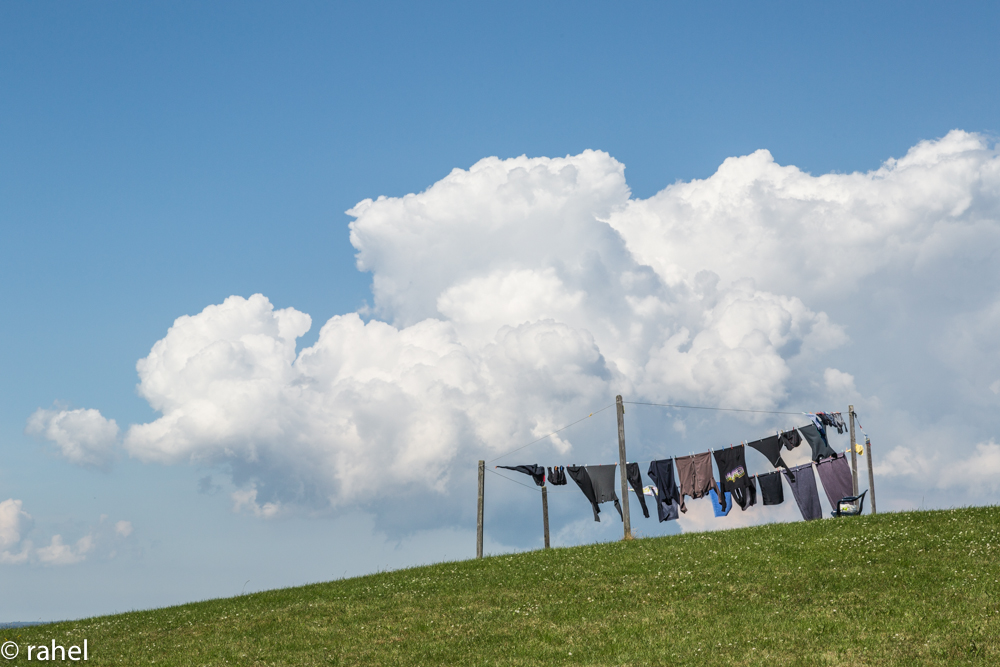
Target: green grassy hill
<point x="913" y="588"/>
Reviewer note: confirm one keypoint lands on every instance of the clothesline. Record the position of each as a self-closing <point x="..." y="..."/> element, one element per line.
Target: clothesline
<point x="703" y="407"/>
<point x="552" y="434"/>
<point x="536" y="489"/>
<point x="660" y="405"/>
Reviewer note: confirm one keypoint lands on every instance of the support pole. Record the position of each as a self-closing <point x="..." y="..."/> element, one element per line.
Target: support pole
<point x="621" y="469"/>
<point x="871" y="474"/>
<point x="479" y="511"/>
<point x="854" y="453"/>
<point x="545" y="514"/>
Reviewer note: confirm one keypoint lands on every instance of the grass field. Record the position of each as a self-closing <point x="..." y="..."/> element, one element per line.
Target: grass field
<point x="916" y="588"/>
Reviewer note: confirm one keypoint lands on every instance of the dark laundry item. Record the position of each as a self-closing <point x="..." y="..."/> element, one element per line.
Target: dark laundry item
<point x="537" y="472"/>
<point x="721" y="508"/>
<point x="634" y="478"/>
<point x="557" y="475"/>
<point x="667" y="494"/>
<point x="673" y="509"/>
<point x="820" y="447"/>
<point x="771" y="449"/>
<point x="833" y="419"/>
<point x="835" y="473"/>
<point x="790" y="439"/>
<point x="746" y="496"/>
<point x="694" y="473"/>
<point x="598" y="484"/>
<point x="603" y="479"/>
<point x="771" y="490"/>
<point x="732" y="465"/>
<point x="804" y="491"/>
<point x="579" y="475"/>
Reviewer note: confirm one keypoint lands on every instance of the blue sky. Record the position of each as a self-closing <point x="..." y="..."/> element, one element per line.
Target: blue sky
<point x="158" y="159"/>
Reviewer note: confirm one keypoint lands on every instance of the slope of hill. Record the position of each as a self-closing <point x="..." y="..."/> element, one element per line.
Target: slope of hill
<point x="896" y="589"/>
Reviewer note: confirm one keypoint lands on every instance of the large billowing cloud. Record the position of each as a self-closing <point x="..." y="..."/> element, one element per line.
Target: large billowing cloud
<point x="512" y="297"/>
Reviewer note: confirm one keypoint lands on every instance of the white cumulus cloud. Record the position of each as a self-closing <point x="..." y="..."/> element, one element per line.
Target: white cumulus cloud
<point x="516" y="295"/>
<point x="14" y="523"/>
<point x="84" y="437"/>
<point x="60" y="553"/>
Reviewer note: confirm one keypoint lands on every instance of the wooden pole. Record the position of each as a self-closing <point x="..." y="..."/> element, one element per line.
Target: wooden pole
<point x="479" y="510"/>
<point x="545" y="514"/>
<point x="621" y="462"/>
<point x="854" y="453"/>
<point x="871" y="474"/>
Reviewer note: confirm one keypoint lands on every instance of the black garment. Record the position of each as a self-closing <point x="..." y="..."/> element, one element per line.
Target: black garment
<point x="817" y="440"/>
<point x="557" y="475"/>
<point x="746" y="496"/>
<point x="770" y="488"/>
<point x="732" y="464"/>
<point x="790" y="439"/>
<point x="805" y="492"/>
<point x="598" y="484"/>
<point x="537" y="472"/>
<point x="579" y="475"/>
<point x="635" y="481"/>
<point x="771" y="449"/>
<point x="667" y="491"/>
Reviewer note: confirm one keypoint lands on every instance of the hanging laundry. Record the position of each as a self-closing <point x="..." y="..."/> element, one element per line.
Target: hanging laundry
<point x="817" y="441"/>
<point x="746" y="496"/>
<point x="835" y="473"/>
<point x="635" y="481"/>
<point x="804" y="491"/>
<point x="771" y="490"/>
<point x="557" y="475"/>
<point x="694" y="473"/>
<point x="598" y="484"/>
<point x="832" y="419"/>
<point x="667" y="493"/>
<point x="721" y="508"/>
<point x="733" y="475"/>
<point x="537" y="472"/>
<point x="790" y="439"/>
<point x="672" y="509"/>
<point x="771" y="449"/>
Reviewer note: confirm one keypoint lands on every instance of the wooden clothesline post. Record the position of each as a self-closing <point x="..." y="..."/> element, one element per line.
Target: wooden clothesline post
<point x="621" y="470"/>
<point x="479" y="510"/>
<point x="854" y="453"/>
<point x="545" y="515"/>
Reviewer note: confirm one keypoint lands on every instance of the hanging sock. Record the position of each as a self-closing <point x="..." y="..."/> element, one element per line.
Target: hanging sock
<point x="804" y="491"/>
<point x="557" y="475"/>
<point x="833" y="419"/>
<point x="771" y="490"/>
<point x="635" y="481"/>
<point x="817" y="441"/>
<point x="667" y="493"/>
<point x="537" y="472"/>
<point x="598" y="484"/>
<point x="835" y="473"/>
